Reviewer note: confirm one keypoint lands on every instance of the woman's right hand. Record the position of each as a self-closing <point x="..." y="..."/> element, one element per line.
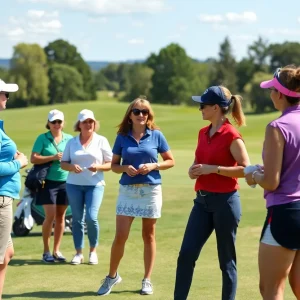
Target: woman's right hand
<point x="131" y="171"/>
<point x="22" y="158"/>
<point x="76" y="169"/>
<point x="58" y="156"/>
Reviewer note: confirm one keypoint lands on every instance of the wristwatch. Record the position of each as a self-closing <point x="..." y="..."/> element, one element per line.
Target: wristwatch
<point x="157" y="166"/>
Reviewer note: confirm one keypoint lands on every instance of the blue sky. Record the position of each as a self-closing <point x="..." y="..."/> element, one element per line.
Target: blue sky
<point x="118" y="30"/>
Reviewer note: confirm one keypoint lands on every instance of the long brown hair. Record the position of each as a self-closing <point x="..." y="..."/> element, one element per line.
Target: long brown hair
<point x="235" y="108"/>
<point x="126" y="125"/>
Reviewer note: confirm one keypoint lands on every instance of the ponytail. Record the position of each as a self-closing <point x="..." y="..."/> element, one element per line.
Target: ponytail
<point x="237" y="111"/>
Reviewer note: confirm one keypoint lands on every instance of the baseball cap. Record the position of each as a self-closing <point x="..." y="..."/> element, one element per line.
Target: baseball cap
<point x="55" y="115"/>
<point x="213" y="95"/>
<point x="275" y="82"/>
<point x="8" y="87"/>
<point x="86" y="114"/>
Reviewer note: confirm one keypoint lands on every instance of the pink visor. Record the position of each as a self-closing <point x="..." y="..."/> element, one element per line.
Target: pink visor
<point x="278" y="86"/>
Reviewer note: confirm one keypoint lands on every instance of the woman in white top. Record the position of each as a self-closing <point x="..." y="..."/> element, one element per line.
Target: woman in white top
<point x="86" y="157"/>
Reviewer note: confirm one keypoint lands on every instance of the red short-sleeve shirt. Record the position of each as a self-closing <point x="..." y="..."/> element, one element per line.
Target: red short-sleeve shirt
<point x="215" y="150"/>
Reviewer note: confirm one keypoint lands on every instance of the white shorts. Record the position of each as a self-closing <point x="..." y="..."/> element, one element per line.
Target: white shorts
<point x="140" y="200"/>
<point x="268" y="237"/>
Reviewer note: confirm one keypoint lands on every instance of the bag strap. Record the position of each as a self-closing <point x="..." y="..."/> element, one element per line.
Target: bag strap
<point x="52" y="141"/>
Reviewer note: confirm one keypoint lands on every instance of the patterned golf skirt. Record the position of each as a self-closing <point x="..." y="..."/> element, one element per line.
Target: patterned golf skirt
<point x="140" y="200"/>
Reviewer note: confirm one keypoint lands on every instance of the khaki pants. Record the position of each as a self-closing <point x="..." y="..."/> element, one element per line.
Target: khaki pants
<point x="5" y="225"/>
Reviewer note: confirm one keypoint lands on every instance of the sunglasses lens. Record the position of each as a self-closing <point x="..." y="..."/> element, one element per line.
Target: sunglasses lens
<point x="137" y="112"/>
<point x="7" y="95"/>
<point x="56" y="121"/>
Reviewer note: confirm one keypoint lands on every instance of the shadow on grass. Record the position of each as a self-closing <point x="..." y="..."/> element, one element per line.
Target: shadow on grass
<point x="31" y="262"/>
<point x="34" y="234"/>
<point x="126" y="291"/>
<point x="49" y="295"/>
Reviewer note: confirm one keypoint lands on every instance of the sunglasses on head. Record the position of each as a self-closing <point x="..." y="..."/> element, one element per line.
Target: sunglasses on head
<point x="6" y="95"/>
<point x="137" y="112"/>
<point x="56" y="121"/>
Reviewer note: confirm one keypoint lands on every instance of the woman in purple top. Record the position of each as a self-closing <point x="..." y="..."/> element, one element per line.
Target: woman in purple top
<point x="279" y="251"/>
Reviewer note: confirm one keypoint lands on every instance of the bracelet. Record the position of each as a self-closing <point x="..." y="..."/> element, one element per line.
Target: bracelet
<point x="253" y="176"/>
<point x="219" y="169"/>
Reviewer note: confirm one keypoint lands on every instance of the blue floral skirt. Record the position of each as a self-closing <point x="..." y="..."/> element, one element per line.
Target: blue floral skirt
<point x="140" y="200"/>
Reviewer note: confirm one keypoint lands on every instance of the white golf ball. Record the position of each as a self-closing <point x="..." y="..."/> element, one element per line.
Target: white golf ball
<point x="141" y="165"/>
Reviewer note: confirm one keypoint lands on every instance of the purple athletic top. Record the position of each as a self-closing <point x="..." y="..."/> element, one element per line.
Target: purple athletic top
<point x="289" y="187"/>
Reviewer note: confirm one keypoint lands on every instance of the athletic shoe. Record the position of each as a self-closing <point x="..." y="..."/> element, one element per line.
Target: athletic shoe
<point x="77" y="259"/>
<point x="147" y="288"/>
<point x="47" y="258"/>
<point x="107" y="284"/>
<point x="93" y="259"/>
<point x="59" y="257"/>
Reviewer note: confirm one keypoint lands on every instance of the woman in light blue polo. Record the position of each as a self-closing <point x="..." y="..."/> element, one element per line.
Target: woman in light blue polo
<point x="135" y="156"/>
<point x="11" y="161"/>
<point x="48" y="147"/>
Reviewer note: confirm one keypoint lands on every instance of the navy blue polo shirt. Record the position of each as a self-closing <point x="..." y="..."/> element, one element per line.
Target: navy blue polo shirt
<point x="135" y="153"/>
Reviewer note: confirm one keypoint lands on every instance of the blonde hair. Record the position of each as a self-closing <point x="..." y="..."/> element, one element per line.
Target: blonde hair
<point x="76" y="126"/>
<point x="235" y="109"/>
<point x="126" y="124"/>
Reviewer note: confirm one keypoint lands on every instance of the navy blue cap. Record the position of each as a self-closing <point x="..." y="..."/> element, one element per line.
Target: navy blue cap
<point x="213" y="95"/>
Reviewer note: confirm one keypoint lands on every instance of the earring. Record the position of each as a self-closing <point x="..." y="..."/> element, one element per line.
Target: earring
<point x="129" y="121"/>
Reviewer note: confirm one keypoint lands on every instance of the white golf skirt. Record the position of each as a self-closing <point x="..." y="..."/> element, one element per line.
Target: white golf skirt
<point x="140" y="200"/>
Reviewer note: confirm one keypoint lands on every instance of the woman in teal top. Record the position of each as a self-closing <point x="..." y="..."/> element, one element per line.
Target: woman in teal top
<point x="11" y="161"/>
<point x="52" y="195"/>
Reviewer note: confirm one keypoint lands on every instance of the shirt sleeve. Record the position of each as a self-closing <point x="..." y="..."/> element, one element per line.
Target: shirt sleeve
<point x="66" y="157"/>
<point x="106" y="150"/>
<point x="38" y="144"/>
<point x="8" y="168"/>
<point x="162" y="143"/>
<point x="117" y="148"/>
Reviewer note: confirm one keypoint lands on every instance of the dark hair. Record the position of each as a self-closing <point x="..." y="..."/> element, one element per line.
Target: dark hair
<point x="126" y="123"/>
<point x="235" y="109"/>
<point x="290" y="77"/>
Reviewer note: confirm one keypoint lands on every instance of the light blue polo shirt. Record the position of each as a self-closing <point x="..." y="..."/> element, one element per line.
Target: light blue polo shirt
<point x="135" y="153"/>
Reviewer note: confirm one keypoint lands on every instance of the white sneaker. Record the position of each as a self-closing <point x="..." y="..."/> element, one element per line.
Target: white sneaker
<point x="107" y="285"/>
<point x="77" y="259"/>
<point x="93" y="260"/>
<point x="147" y="288"/>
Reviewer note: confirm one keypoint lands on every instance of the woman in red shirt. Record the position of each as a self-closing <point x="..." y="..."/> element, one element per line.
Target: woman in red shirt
<point x="220" y="159"/>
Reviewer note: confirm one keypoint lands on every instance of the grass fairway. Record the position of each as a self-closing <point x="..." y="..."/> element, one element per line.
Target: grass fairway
<point x="29" y="279"/>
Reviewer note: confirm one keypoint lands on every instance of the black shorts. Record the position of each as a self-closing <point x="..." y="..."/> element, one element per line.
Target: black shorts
<point x="53" y="192"/>
<point x="284" y="223"/>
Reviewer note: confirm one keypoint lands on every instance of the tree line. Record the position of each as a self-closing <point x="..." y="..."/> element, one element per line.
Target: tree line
<point x="58" y="74"/>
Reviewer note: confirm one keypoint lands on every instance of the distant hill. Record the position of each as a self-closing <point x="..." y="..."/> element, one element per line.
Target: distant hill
<point x="94" y="65"/>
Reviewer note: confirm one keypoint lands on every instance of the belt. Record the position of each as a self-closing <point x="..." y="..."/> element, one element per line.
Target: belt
<point x="203" y="193"/>
<point x="140" y="184"/>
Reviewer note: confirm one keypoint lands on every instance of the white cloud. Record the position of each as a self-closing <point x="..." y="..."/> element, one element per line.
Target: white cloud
<point x="243" y="37"/>
<point x="299" y="20"/>
<point x="49" y="27"/>
<point x="137" y="24"/>
<point x="282" y="31"/>
<point x="109" y="6"/>
<point x="244" y="17"/>
<point x="38" y="14"/>
<point x="136" y="41"/>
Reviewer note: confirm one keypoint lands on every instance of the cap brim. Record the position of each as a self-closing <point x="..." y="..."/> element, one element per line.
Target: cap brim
<point x="267" y="84"/>
<point x="197" y="99"/>
<point x="9" y="87"/>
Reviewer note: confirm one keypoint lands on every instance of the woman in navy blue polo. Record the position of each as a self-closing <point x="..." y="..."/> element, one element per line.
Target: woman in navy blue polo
<point x="135" y="156"/>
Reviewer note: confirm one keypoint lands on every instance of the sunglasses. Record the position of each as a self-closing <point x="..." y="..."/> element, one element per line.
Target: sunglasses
<point x="88" y="122"/>
<point x="6" y="95"/>
<point x="56" y="121"/>
<point x="202" y="106"/>
<point x="137" y="112"/>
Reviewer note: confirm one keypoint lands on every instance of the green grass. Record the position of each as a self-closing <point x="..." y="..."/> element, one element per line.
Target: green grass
<point x="28" y="278"/>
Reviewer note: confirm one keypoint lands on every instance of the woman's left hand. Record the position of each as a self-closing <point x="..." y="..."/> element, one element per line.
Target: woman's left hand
<point x="146" y="168"/>
<point x="202" y="169"/>
<point x="93" y="168"/>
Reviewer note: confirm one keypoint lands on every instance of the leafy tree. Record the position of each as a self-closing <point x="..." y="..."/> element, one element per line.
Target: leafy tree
<point x="173" y="70"/>
<point x="284" y="54"/>
<point x="259" y="98"/>
<point x="4" y="74"/>
<point x="258" y="54"/>
<point x="245" y="70"/>
<point x="65" y="84"/>
<point x="225" y="68"/>
<point x="29" y="70"/>
<point x="138" y="82"/>
<point x="61" y="52"/>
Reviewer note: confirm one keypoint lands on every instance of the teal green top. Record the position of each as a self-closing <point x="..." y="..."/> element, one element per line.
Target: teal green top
<point x="44" y="146"/>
